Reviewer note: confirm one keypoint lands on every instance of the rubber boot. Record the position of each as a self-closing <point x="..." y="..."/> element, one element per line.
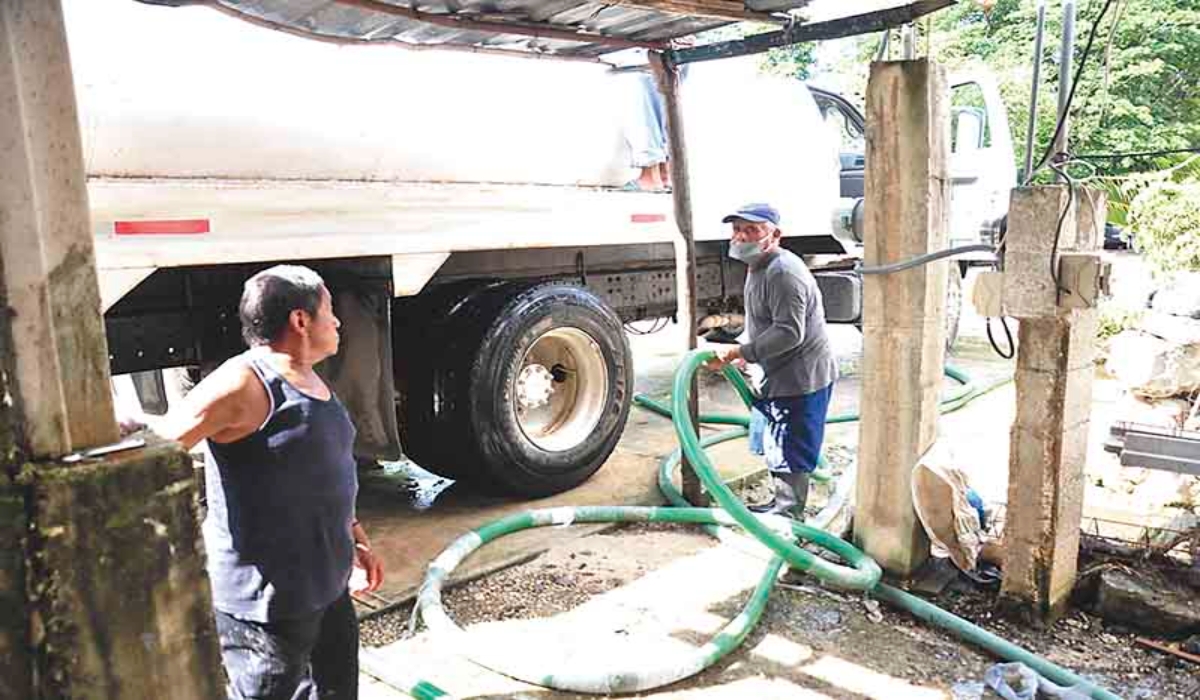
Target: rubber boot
<point x="791" y="494"/>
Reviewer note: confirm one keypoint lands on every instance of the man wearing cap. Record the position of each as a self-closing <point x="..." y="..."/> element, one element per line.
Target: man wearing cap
<point x="785" y="324"/>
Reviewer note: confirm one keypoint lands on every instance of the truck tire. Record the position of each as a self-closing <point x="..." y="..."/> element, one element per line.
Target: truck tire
<point x="528" y="389"/>
<point x="422" y="330"/>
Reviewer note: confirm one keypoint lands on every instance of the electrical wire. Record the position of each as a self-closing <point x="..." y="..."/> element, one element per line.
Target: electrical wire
<point x="1012" y="348"/>
<point x="925" y="259"/>
<point x="656" y="325"/>
<point x="1062" y="218"/>
<point x="1062" y="118"/>
<point x="1137" y="154"/>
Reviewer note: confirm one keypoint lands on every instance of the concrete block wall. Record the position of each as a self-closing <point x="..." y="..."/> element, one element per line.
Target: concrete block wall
<point x="1054" y="374"/>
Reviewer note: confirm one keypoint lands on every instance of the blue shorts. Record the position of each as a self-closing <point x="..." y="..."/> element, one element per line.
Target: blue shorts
<point x="793" y="430"/>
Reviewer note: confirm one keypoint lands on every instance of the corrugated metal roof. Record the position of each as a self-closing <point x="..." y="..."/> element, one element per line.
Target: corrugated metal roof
<point x="563" y="28"/>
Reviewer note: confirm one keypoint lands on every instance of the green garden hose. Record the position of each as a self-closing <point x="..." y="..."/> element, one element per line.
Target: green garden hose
<point x="691" y="444"/>
<point x="779" y="534"/>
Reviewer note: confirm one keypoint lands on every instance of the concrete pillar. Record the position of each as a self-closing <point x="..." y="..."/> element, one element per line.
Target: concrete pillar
<point x="61" y="380"/>
<point x="120" y="601"/>
<point x="102" y="587"/>
<point x="907" y="192"/>
<point x="16" y="663"/>
<point x="1054" y="390"/>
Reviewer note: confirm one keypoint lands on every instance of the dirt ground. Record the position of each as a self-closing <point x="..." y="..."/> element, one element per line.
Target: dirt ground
<point x="640" y="591"/>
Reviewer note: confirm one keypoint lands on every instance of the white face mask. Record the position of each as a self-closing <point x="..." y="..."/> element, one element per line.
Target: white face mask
<point x="748" y="252"/>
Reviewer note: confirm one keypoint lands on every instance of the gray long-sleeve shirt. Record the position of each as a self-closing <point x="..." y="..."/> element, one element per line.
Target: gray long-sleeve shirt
<point x="785" y="321"/>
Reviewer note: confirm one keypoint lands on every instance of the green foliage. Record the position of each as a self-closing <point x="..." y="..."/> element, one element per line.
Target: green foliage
<point x="795" y="61"/>
<point x="1165" y="218"/>
<point x="1115" y="319"/>
<point x="1137" y="92"/>
<point x="1162" y="208"/>
<point x="791" y="61"/>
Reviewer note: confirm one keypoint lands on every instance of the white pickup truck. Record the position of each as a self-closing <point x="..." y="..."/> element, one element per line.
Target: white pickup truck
<point x="467" y="213"/>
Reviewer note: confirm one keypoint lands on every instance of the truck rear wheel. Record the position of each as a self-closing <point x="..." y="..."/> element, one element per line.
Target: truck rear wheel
<point x="527" y="389"/>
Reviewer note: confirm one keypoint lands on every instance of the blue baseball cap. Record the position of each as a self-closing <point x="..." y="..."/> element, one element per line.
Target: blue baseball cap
<point x="757" y="212"/>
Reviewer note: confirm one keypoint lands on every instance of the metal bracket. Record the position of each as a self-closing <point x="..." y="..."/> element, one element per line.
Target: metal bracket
<point x="1084" y="280"/>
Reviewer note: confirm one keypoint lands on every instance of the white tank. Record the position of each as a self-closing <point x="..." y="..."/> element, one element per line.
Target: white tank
<point x="191" y="93"/>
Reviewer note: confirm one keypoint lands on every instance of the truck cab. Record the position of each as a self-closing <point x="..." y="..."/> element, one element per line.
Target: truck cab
<point x="982" y="173"/>
<point x="982" y="164"/>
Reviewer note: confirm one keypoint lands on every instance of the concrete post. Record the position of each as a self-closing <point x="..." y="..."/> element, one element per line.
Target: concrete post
<point x="61" y="382"/>
<point x="102" y="587"/>
<point x="16" y="663"/>
<point x="1054" y="389"/>
<point x="907" y="191"/>
<point x="120" y="601"/>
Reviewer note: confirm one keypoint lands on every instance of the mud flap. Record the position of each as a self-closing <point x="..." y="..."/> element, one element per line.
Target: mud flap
<point x="361" y="371"/>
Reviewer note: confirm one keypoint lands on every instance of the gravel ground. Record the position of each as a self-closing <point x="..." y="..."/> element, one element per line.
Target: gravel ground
<point x="870" y="645"/>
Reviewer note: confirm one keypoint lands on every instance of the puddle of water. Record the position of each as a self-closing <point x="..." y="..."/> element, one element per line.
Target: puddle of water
<point x="419" y="487"/>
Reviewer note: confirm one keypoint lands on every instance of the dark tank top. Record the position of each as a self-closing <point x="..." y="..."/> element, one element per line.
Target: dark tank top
<point x="280" y="506"/>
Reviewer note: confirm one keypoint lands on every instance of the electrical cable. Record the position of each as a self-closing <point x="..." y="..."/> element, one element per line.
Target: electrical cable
<point x="925" y="259"/>
<point x="1062" y="218"/>
<point x="1012" y="348"/>
<point x="655" y="326"/>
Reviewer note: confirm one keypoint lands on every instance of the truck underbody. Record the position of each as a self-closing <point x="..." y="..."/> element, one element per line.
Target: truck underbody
<point x="429" y="334"/>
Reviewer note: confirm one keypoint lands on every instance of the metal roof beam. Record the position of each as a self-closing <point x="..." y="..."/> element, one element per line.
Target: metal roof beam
<point x="865" y="23"/>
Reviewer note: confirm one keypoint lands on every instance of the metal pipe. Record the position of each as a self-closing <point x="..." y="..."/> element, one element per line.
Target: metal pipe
<point x="884" y="44"/>
<point x="1031" y="129"/>
<point x="667" y="75"/>
<point x="1064" y="79"/>
<point x="864" y="23"/>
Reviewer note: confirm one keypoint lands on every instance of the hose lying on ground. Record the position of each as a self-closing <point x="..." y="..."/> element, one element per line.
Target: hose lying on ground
<point x="781" y="535"/>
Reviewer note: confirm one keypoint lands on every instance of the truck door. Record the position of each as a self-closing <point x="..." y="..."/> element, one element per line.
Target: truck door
<point x="982" y="165"/>
<point x="844" y="124"/>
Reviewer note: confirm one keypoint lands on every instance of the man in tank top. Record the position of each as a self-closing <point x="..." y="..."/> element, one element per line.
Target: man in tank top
<point x="785" y="323"/>
<point x="280" y="533"/>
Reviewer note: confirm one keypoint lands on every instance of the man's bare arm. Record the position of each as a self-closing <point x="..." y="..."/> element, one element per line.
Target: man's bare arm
<point x="227" y="405"/>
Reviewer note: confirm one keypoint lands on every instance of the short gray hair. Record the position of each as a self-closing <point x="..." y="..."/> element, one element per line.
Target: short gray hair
<point x="270" y="297"/>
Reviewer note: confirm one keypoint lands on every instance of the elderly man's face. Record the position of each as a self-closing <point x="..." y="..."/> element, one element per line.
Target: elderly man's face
<point x="750" y="231"/>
